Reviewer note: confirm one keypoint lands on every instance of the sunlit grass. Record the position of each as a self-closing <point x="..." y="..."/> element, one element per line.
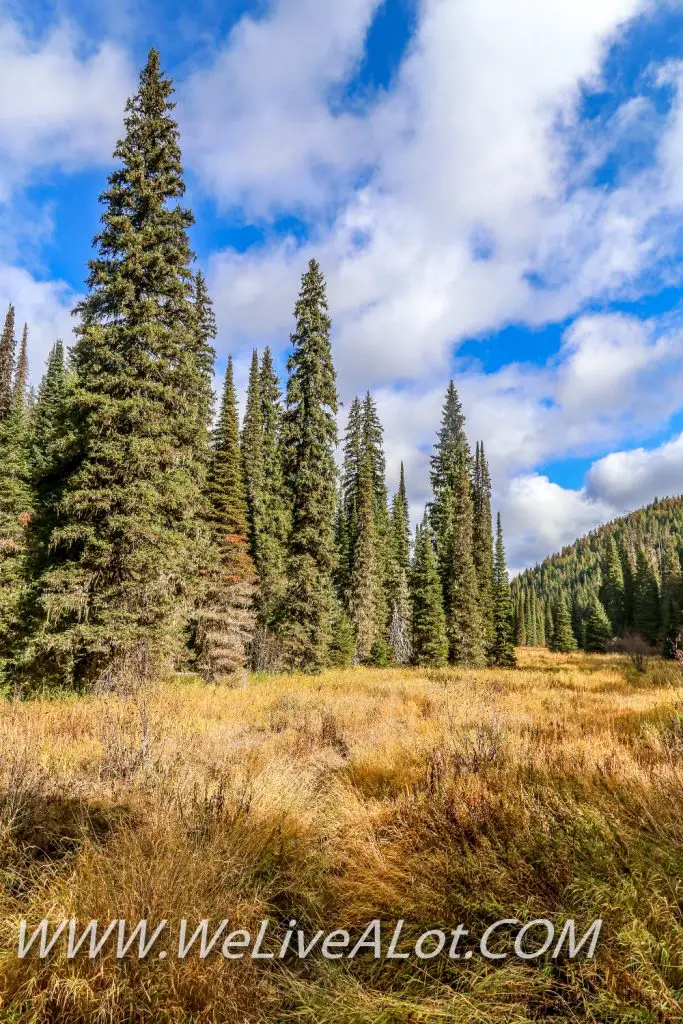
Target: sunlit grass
<point x="441" y="797"/>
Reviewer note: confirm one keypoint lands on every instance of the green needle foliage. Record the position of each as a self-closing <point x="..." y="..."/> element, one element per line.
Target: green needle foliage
<point x="502" y="650"/>
<point x="563" y="639"/>
<point x="430" y="642"/>
<point x="128" y="517"/>
<point x="8" y="346"/>
<point x="598" y="628"/>
<point x="310" y="437"/>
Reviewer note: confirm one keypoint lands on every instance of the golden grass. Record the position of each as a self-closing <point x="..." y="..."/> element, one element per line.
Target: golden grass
<point x="441" y="797"/>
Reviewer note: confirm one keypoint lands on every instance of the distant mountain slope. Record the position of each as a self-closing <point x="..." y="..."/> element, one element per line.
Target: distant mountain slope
<point x="633" y="565"/>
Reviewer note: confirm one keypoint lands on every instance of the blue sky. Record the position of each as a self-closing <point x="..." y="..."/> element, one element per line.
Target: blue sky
<point x="495" y="192"/>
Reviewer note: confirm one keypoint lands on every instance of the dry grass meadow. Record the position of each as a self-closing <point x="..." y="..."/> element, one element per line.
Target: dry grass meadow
<point x="553" y="790"/>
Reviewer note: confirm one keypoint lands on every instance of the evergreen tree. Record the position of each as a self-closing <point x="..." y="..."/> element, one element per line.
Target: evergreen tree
<point x="671" y="600"/>
<point x="121" y="573"/>
<point x="400" y="625"/>
<point x="252" y="460"/>
<point x="430" y="643"/>
<point x="342" y="648"/>
<point x="350" y="486"/>
<point x="310" y="436"/>
<point x="540" y="623"/>
<point x="225" y="619"/>
<point x="204" y="335"/>
<point x="645" y="599"/>
<point x="461" y="604"/>
<point x="612" y="590"/>
<point x="628" y="570"/>
<point x="7" y="351"/>
<point x="549" y="627"/>
<point x="598" y="628"/>
<point x="20" y="385"/>
<point x="272" y="547"/>
<point x="366" y="581"/>
<point x="502" y="651"/>
<point x="400" y="524"/>
<point x="563" y="638"/>
<point x="47" y="425"/>
<point x="450" y="451"/>
<point x="521" y="634"/>
<point x="16" y="501"/>
<point x="482" y="540"/>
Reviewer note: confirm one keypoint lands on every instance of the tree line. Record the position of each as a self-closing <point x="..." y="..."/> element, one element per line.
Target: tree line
<point x="140" y="531"/>
<point x="623" y="579"/>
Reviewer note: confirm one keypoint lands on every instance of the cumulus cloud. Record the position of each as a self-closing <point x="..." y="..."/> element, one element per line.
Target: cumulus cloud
<point x="58" y="107"/>
<point x="628" y="479"/>
<point x="44" y="305"/>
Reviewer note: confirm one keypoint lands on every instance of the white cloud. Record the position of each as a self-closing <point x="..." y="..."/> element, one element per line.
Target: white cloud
<point x="57" y="106"/>
<point x="628" y="479"/>
<point x="44" y="305"/>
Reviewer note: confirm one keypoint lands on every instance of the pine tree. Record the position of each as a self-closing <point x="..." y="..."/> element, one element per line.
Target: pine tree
<point x="252" y="460"/>
<point x="598" y="628"/>
<point x="671" y="601"/>
<point x="627" y="559"/>
<point x="502" y="651"/>
<point x="310" y="436"/>
<point x="482" y="540"/>
<point x="16" y="505"/>
<point x="520" y="617"/>
<point x="540" y="623"/>
<point x="225" y="618"/>
<point x="204" y="335"/>
<point x="120" y="577"/>
<point x="430" y="643"/>
<point x="348" y="498"/>
<point x="47" y="423"/>
<point x="563" y="639"/>
<point x="549" y="626"/>
<point x="612" y="589"/>
<point x="400" y="524"/>
<point x="461" y="598"/>
<point x="645" y="599"/>
<point x="364" y="597"/>
<point x="7" y="351"/>
<point x="272" y="548"/>
<point x="20" y="385"/>
<point x="450" y="450"/>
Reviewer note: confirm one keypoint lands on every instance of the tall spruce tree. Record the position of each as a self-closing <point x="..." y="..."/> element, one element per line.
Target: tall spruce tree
<point x="20" y="392"/>
<point x="16" y="507"/>
<point x="466" y="640"/>
<point x="563" y="639"/>
<point x="366" y="581"/>
<point x="310" y="437"/>
<point x="671" y="600"/>
<point x="597" y="634"/>
<point x="225" y="618"/>
<point x="501" y="650"/>
<point x="400" y="524"/>
<point x="252" y="459"/>
<point x="645" y="598"/>
<point x="7" y="353"/>
<point x="482" y="541"/>
<point x="119" y="581"/>
<point x="429" y="640"/>
<point x="612" y="589"/>
<point x="272" y="548"/>
<point x="450" y="450"/>
<point x="204" y="335"/>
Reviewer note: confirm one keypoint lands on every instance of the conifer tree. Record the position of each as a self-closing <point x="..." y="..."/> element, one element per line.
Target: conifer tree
<point x="47" y="429"/>
<point x="225" y="618"/>
<point x="364" y="607"/>
<point x="16" y="506"/>
<point x="400" y="627"/>
<point x="450" y="450"/>
<point x="349" y="490"/>
<point x="612" y="590"/>
<point x="521" y="622"/>
<point x="482" y="540"/>
<point x="563" y="639"/>
<point x="549" y="626"/>
<point x="645" y="598"/>
<point x="430" y="643"/>
<point x="204" y="335"/>
<point x="502" y="651"/>
<point x="627" y="559"/>
<point x="540" y="623"/>
<point x="671" y="600"/>
<point x="461" y="600"/>
<point x="20" y="385"/>
<point x="400" y="524"/>
<point x="7" y="352"/>
<point x="120" y="578"/>
<point x="598" y="628"/>
<point x="252" y="459"/>
<point x="272" y="548"/>
<point x="310" y="436"/>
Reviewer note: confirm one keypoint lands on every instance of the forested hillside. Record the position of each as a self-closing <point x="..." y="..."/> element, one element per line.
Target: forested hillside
<point x="624" y="577"/>
<point x="139" y="534"/>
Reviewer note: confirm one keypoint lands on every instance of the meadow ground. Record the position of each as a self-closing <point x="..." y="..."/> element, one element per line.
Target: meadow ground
<point x="439" y="797"/>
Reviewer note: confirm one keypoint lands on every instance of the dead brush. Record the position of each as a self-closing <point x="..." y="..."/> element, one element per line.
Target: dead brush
<point x="213" y="810"/>
<point x="128" y="733"/>
<point x="331" y="734"/>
